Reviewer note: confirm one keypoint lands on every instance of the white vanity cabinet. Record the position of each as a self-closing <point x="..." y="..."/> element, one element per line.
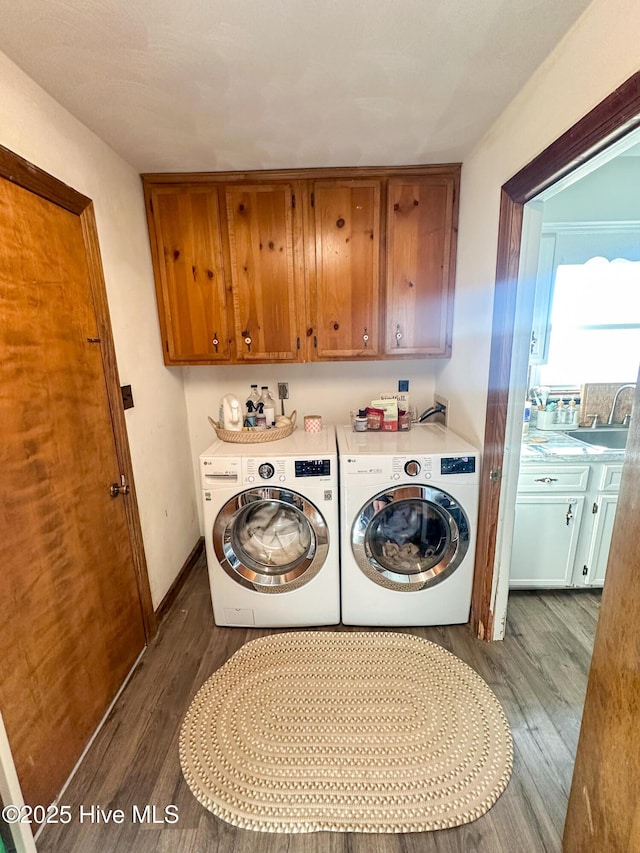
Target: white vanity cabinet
<point x="563" y="525"/>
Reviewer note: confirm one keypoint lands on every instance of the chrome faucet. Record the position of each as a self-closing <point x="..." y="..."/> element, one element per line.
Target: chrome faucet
<point x="615" y="400"/>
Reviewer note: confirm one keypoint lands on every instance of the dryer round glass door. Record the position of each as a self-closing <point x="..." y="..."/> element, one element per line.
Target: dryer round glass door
<point x="410" y="537"/>
<point x="270" y="539"/>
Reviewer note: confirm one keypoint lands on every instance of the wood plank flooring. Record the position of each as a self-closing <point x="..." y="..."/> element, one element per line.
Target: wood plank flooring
<point x="538" y="672"/>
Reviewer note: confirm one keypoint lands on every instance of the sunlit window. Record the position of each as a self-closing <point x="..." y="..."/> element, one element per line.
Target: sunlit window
<point x="595" y="324"/>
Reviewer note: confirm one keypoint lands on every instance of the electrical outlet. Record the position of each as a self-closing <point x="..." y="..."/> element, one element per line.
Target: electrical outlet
<point x="438" y="398"/>
<point x="283" y="390"/>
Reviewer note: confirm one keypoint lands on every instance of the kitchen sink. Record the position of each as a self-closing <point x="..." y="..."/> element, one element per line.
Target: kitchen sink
<point x="614" y="438"/>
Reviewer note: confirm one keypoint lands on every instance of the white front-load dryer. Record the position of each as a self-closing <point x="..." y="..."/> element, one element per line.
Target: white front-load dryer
<point x="272" y="530"/>
<point x="409" y="505"/>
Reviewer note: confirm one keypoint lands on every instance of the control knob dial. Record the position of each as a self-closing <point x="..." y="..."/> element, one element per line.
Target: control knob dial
<point x="412" y="468"/>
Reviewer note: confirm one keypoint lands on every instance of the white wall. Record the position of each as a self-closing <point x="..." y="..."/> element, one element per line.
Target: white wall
<point x="40" y="130"/>
<point x="596" y="56"/>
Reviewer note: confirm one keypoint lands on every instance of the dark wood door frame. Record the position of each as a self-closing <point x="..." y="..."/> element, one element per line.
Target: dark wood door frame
<point x="19" y="171"/>
<point x="612" y="119"/>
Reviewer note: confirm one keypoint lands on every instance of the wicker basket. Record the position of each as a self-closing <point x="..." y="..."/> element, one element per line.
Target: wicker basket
<point x="254" y="436"/>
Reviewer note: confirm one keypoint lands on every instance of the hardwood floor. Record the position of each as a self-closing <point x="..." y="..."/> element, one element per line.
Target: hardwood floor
<point x="538" y="672"/>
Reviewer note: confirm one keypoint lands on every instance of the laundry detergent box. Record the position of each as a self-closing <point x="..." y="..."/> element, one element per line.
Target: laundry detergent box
<point x="402" y="399"/>
<point x="390" y="416"/>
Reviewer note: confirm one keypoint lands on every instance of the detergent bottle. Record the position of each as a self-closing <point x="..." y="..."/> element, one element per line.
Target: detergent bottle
<point x="230" y="413"/>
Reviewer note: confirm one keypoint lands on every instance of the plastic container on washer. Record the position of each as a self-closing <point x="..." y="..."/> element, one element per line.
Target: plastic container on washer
<point x="360" y="421"/>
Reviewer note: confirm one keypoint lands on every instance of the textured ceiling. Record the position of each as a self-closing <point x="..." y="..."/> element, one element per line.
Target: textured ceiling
<point x="175" y="85"/>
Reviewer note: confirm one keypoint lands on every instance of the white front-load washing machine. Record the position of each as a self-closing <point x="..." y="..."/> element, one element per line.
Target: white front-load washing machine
<point x="271" y="530"/>
<point x="409" y="505"/>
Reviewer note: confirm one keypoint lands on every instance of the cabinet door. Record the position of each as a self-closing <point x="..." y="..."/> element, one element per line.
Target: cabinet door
<point x="545" y="539"/>
<point x="421" y="249"/>
<point x="344" y="240"/>
<point x="604" y="516"/>
<point x="187" y="254"/>
<point x="264" y="248"/>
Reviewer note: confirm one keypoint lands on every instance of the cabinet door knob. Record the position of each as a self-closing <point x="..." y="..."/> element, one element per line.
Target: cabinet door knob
<point x="569" y="515"/>
<point x="546" y="480"/>
<point x="398" y="335"/>
<point x="215" y="340"/>
<point x="365" y="337"/>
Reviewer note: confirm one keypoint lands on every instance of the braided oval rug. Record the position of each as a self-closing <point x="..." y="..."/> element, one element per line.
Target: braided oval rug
<point x="347" y="732"/>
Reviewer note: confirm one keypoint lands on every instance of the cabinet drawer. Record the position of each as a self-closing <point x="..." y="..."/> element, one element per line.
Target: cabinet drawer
<point x="538" y="478"/>
<point x="610" y="478"/>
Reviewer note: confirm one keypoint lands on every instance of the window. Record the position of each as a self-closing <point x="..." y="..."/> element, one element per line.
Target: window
<point x="594" y="324"/>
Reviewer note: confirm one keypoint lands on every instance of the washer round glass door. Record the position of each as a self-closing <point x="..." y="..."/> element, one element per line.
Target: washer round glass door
<point x="410" y="537"/>
<point x="270" y="539"/>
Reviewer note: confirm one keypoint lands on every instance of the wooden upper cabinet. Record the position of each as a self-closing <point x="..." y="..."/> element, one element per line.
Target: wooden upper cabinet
<point x="343" y="237"/>
<point x="304" y="264"/>
<point x="264" y="249"/>
<point x="184" y="224"/>
<point x="422" y="217"/>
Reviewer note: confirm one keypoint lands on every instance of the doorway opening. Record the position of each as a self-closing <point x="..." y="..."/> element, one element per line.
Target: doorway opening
<point x="591" y="138"/>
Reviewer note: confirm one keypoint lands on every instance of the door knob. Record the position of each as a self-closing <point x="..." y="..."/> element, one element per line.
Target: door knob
<point x="116" y="489"/>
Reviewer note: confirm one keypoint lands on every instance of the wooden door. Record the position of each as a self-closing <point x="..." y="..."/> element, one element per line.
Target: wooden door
<point x="421" y="250"/>
<point x="70" y="607"/>
<point x="265" y="249"/>
<point x="345" y="239"/>
<point x="184" y="224"/>
<point x="604" y="805"/>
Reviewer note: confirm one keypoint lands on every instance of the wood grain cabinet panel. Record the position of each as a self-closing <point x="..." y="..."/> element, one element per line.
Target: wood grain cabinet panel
<point x="264" y="244"/>
<point x="188" y="262"/>
<point x="345" y="268"/>
<point x="421" y="246"/>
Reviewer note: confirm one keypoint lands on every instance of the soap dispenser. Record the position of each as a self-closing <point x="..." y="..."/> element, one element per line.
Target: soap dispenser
<point x="572" y="413"/>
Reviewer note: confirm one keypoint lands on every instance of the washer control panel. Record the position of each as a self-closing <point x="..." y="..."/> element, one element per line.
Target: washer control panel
<point x="286" y="470"/>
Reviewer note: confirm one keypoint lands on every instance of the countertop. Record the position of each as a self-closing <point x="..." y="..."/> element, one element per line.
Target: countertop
<point x="559" y="447"/>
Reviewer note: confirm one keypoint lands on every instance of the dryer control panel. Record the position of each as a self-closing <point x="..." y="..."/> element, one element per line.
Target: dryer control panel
<point x="458" y="465"/>
<point x="381" y="470"/>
